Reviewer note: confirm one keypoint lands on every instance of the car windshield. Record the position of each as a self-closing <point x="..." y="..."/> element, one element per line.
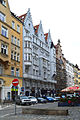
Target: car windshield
<point x="24" y="97"/>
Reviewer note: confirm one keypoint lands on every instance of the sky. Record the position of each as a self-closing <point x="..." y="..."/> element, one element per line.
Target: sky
<point x="62" y="17"/>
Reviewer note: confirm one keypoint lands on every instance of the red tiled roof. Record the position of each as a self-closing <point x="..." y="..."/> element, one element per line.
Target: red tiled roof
<point x="36" y="28"/>
<point x="22" y="17"/>
<point x="46" y="36"/>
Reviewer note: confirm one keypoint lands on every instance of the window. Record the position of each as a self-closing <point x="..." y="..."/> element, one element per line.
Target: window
<point x="12" y="39"/>
<point x="15" y="56"/>
<point x="12" y="71"/>
<point x="26" y="68"/>
<point x="28" y="44"/>
<point x="25" y="57"/>
<point x="33" y="71"/>
<point x="18" y="42"/>
<point x="13" y="24"/>
<point x="11" y="54"/>
<point x="29" y="57"/>
<point x="2" y="17"/>
<point x="3" y="2"/>
<point x="1" y="69"/>
<point x="18" y="28"/>
<point x="4" y="31"/>
<point x="17" y="72"/>
<point x="25" y="44"/>
<point x="4" y="49"/>
<point x="15" y="41"/>
<point x="18" y="57"/>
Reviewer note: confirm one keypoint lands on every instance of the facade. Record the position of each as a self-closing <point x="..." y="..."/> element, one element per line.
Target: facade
<point x="76" y="75"/>
<point x="39" y="60"/>
<point x="60" y="69"/>
<point x="79" y="77"/>
<point x="10" y="51"/>
<point x="70" y="74"/>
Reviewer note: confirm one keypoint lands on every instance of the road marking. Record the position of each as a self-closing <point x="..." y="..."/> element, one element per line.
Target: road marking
<point x="6" y="115"/>
<point x="1" y="108"/>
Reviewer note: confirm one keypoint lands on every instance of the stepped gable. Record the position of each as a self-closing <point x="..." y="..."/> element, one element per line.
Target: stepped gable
<point x="36" y="28"/>
<point x="22" y="17"/>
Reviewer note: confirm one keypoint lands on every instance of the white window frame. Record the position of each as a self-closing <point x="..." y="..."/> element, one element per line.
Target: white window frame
<point x="12" y="39"/>
<point x="17" y="72"/>
<point x="2" y="17"/>
<point x="18" y="42"/>
<point x="15" y="56"/>
<point x="18" y="28"/>
<point x="13" y="24"/>
<point x="15" y="39"/>
<point x="12" y="55"/>
<point x="4" y="31"/>
<point x="18" y="57"/>
<point x="12" y="71"/>
<point x="4" y="49"/>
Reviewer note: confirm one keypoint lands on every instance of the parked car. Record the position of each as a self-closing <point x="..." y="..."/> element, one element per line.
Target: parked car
<point x="33" y="99"/>
<point x="49" y="99"/>
<point x="23" y="100"/>
<point x="56" y="99"/>
<point x="41" y="100"/>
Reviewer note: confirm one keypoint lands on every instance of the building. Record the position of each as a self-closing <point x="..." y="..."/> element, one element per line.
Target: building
<point x="70" y="73"/>
<point x="76" y="69"/>
<point x="60" y="69"/>
<point x="10" y="51"/>
<point x="39" y="60"/>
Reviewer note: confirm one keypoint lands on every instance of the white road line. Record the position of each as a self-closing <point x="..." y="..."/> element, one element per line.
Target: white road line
<point x="1" y="108"/>
<point x="6" y="115"/>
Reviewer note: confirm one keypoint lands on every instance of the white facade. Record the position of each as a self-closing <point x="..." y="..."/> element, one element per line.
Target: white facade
<point x="70" y="74"/>
<point x="39" y="58"/>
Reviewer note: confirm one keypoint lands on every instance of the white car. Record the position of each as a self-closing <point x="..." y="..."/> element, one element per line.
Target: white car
<point x="33" y="99"/>
<point x="23" y="100"/>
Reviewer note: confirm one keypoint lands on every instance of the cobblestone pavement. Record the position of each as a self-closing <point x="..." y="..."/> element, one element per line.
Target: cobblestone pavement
<point x="74" y="114"/>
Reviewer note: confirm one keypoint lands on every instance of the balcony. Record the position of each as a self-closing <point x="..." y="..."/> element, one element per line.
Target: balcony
<point x="28" y="63"/>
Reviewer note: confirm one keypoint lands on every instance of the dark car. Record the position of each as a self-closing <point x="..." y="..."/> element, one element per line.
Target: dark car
<point x="49" y="99"/>
<point x="41" y="100"/>
<point x="23" y="100"/>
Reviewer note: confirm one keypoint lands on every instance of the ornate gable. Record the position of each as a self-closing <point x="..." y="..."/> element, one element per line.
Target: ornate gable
<point x="27" y="19"/>
<point x="40" y="32"/>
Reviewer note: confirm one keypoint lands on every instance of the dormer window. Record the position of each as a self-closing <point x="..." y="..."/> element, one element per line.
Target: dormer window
<point x="3" y="2"/>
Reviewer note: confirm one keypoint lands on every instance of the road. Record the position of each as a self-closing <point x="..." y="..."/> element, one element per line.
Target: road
<point x="8" y="113"/>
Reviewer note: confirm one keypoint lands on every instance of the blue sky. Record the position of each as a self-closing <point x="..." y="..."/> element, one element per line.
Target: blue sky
<point x="62" y="17"/>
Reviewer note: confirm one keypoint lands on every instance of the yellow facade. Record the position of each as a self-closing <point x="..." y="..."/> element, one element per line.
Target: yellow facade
<point x="7" y="47"/>
<point x="75" y="75"/>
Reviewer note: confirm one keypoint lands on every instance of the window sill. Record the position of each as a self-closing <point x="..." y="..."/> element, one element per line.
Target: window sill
<point x="5" y="36"/>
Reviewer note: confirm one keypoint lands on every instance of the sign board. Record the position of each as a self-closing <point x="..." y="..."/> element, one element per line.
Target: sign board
<point x="15" y="82"/>
<point x="22" y="89"/>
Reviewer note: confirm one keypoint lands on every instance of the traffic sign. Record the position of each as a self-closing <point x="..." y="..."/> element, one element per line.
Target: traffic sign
<point x="22" y="89"/>
<point x="15" y="82"/>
